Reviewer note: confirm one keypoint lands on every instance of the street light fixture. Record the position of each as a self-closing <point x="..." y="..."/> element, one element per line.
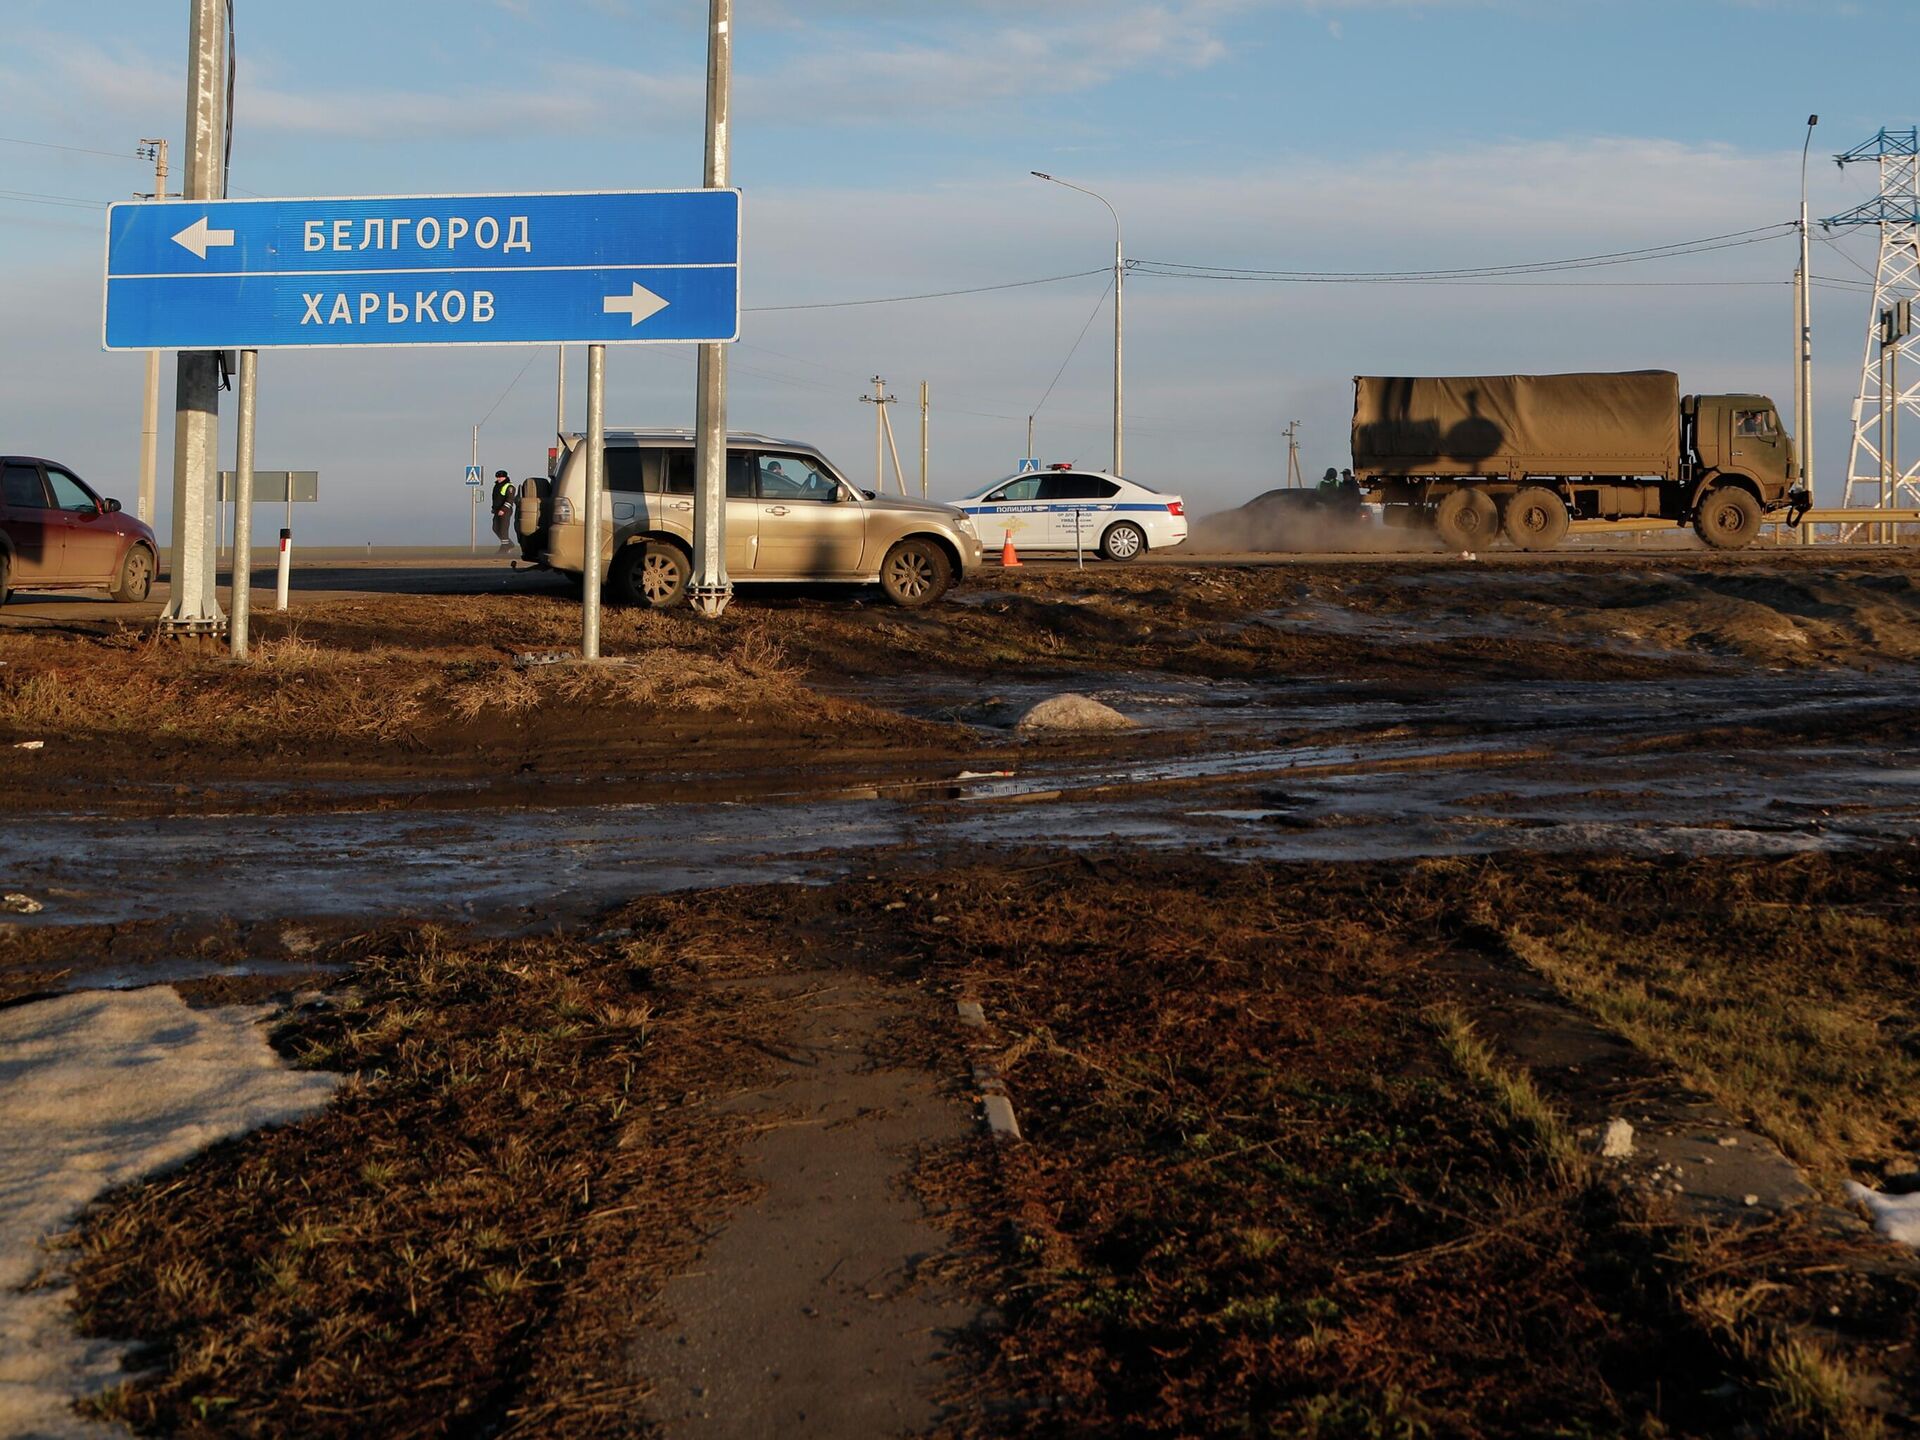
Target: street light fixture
<point x="1119" y="332"/>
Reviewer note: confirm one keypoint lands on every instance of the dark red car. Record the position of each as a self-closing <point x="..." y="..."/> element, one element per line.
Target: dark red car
<point x="57" y="534"/>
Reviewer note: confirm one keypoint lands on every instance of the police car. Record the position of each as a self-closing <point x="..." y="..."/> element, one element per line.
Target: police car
<point x="1064" y="508"/>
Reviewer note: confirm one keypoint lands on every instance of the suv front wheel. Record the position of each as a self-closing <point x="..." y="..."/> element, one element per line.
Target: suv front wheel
<point x="915" y="573"/>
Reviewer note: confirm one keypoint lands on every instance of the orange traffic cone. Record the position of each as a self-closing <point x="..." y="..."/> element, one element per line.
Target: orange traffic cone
<point x="1009" y="557"/>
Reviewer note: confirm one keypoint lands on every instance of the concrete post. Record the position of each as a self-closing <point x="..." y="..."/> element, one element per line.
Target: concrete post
<point x="711" y="588"/>
<point x="193" y="608"/>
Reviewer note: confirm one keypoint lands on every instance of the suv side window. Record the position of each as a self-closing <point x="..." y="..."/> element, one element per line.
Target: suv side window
<point x="20" y="488"/>
<point x="785" y="476"/>
<point x="69" y="493"/>
<point x="1077" y="487"/>
<point x="680" y="474"/>
<point x="739" y="476"/>
<point x="626" y="467"/>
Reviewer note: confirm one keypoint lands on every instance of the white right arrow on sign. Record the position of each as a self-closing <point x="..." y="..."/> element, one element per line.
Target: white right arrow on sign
<point x="642" y="304"/>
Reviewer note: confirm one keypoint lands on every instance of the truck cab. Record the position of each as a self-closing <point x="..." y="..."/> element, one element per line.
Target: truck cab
<point x="1741" y="435"/>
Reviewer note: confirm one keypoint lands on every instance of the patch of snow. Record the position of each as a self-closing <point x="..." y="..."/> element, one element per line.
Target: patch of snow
<point x="1617" y="1143"/>
<point x="1074" y="714"/>
<point x="1895" y="1216"/>
<point x="98" y="1089"/>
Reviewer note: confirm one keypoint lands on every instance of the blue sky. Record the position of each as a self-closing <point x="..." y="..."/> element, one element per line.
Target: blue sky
<point x="884" y="150"/>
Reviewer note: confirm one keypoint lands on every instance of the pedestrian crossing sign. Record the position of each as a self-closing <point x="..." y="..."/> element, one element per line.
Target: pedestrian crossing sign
<point x="1029" y="464"/>
<point x="473" y="476"/>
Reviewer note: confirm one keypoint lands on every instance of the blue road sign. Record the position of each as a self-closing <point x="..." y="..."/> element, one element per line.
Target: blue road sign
<point x="604" y="268"/>
<point x="473" y="475"/>
<point x="1028" y="464"/>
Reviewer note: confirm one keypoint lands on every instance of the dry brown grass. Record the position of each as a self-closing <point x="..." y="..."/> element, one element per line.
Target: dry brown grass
<point x="1788" y="1025"/>
<point x="297" y="689"/>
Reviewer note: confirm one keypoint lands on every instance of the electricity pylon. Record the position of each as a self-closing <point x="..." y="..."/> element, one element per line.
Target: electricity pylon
<point x="1896" y="210"/>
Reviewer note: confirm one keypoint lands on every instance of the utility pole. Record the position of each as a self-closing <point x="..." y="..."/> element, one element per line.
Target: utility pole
<point x="560" y="396"/>
<point x="1119" y="323"/>
<point x="473" y="499"/>
<point x="883" y="437"/>
<point x="1803" y="328"/>
<point x="156" y="151"/>
<point x="193" y="606"/>
<point x="1294" y="479"/>
<point x="924" y="411"/>
<point x="711" y="589"/>
<point x="1030" y="454"/>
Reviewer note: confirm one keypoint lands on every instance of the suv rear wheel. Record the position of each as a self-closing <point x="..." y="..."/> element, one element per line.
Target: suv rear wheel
<point x="654" y="574"/>
<point x="915" y="573"/>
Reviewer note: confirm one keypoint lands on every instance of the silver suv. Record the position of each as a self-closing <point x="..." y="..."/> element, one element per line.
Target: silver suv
<point x="790" y="516"/>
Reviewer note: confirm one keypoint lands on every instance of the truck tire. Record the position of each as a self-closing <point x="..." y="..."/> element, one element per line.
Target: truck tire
<point x="1728" y="517"/>
<point x="1467" y="519"/>
<point x="653" y="574"/>
<point x="1536" y="519"/>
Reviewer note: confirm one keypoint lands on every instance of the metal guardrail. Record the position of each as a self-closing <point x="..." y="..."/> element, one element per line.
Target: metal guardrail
<point x="1836" y="515"/>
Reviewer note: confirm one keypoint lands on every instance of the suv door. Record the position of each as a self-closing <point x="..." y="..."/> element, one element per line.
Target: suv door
<point x="811" y="526"/>
<point x="92" y="539"/>
<point x="32" y="524"/>
<point x="743" y="510"/>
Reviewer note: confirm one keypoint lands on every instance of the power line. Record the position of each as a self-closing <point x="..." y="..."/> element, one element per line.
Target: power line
<point x="70" y="149"/>
<point x="534" y="355"/>
<point x="1098" y="305"/>
<point x="1672" y="250"/>
<point x="34" y="197"/>
<point x="930" y="295"/>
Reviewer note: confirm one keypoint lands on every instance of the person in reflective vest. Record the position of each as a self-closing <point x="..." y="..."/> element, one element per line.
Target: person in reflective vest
<point x="503" y="499"/>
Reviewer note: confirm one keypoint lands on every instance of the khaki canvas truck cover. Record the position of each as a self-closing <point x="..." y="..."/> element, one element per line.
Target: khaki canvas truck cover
<point x="1607" y="424"/>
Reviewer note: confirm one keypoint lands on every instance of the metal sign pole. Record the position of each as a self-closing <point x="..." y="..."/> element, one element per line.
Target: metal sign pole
<point x="243" y="508"/>
<point x="590" y="568"/>
<point x="711" y="589"/>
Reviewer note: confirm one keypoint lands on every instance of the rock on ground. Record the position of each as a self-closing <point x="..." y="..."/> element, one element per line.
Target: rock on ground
<point x="1073" y="715"/>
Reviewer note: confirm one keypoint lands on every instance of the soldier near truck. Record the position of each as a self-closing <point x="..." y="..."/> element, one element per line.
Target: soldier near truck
<point x="1472" y="457"/>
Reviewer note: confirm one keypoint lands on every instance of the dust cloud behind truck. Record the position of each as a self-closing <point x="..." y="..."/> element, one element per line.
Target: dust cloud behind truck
<point x="1480" y="455"/>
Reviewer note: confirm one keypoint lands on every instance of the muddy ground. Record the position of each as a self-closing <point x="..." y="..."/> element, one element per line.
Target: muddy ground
<point x="1315" y="995"/>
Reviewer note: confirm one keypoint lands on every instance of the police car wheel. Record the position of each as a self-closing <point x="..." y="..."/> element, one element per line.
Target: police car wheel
<point x="1125" y="541"/>
<point x="915" y="573"/>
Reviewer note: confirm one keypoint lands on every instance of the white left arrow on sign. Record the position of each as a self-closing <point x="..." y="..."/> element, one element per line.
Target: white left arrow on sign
<point x="199" y="239"/>
<point x="642" y="304"/>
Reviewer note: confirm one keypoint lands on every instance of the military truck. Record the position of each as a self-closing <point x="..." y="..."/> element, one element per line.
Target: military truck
<point x="1472" y="457"/>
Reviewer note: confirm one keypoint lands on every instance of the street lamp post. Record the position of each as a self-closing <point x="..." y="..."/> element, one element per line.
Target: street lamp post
<point x="1803" y="328"/>
<point x="1119" y="327"/>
